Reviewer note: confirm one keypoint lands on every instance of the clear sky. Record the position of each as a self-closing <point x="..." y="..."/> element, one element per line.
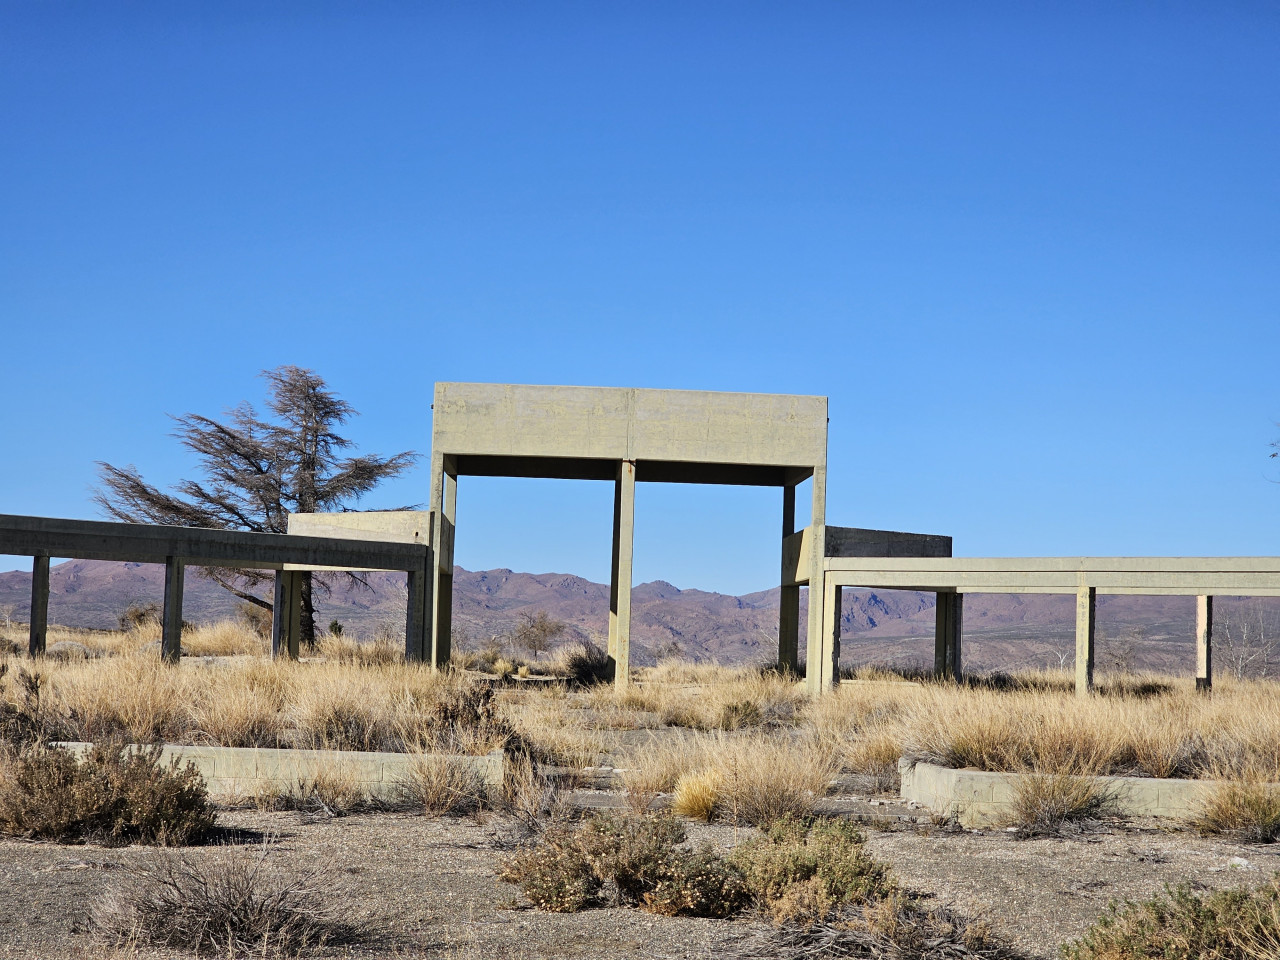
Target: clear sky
<point x="1031" y="252"/>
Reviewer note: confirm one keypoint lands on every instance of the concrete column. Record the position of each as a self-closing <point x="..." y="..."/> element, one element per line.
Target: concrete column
<point x="814" y="672"/>
<point x="444" y="507"/>
<point x="1086" y="621"/>
<point x="829" y="662"/>
<point x="624" y="523"/>
<point x="39" y="605"/>
<point x="286" y="617"/>
<point x="417" y="635"/>
<point x="948" y="653"/>
<point x="789" y="598"/>
<point x="1204" y="644"/>
<point x="171" y="619"/>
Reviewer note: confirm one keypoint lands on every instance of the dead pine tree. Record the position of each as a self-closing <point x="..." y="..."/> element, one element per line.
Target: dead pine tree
<point x="256" y="472"/>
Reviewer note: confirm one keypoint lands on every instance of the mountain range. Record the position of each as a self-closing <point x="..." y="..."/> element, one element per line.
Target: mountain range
<point x="1001" y="631"/>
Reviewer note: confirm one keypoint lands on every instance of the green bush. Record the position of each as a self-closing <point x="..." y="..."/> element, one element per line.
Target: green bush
<point x="116" y="795"/>
<point x="804" y="871"/>
<point x="1239" y="924"/>
<point x="626" y="860"/>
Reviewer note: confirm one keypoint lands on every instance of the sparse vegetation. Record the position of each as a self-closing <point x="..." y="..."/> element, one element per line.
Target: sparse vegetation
<point x="1248" y="809"/>
<point x="1183" y="924"/>
<point x="115" y="795"/>
<point x="231" y="907"/>
<point x="1054" y="803"/>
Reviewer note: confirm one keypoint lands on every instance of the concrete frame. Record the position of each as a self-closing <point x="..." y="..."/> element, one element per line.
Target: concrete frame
<point x="628" y="436"/>
<point x="1085" y="577"/>
<point x="180" y="547"/>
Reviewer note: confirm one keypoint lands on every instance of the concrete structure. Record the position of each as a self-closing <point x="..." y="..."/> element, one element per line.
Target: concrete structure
<point x="628" y="436"/>
<point x="1085" y="577"/>
<point x="979" y="799"/>
<point x="179" y="547"/>
<point x="239" y="772"/>
<point x="384" y="526"/>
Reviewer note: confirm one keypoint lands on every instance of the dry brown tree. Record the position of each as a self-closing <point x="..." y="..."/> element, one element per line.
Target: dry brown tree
<point x="257" y="472"/>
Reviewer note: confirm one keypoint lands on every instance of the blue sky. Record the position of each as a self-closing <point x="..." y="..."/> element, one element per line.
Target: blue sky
<point x="1030" y="251"/>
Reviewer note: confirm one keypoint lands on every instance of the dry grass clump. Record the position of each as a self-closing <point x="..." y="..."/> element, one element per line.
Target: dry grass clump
<point x="1248" y="809"/>
<point x="655" y="767"/>
<point x="115" y="795"/>
<point x="545" y="722"/>
<point x="1182" y="924"/>
<point x="232" y="906"/>
<point x="330" y="793"/>
<point x="345" y="649"/>
<point x="1045" y="804"/>
<point x="697" y="795"/>
<point x="438" y="785"/>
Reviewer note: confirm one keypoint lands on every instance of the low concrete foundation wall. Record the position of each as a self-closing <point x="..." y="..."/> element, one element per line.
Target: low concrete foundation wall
<point x="246" y="771"/>
<point x="979" y="799"/>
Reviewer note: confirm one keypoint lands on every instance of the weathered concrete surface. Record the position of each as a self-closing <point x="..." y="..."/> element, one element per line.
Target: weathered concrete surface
<point x="628" y="435"/>
<point x="855" y="542"/>
<point x="979" y="799"/>
<point x="237" y="772"/>
<point x="671" y="427"/>
<point x="384" y="526"/>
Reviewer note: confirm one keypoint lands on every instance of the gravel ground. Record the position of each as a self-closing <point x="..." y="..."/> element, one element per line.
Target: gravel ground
<point x="430" y="885"/>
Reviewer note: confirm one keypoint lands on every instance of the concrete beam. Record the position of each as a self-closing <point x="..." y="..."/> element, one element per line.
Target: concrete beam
<point x="148" y="543"/>
<point x="1171" y="576"/>
<point x="671" y="430"/>
<point x="624" y="523"/>
<point x="39" y="605"/>
<point x="1204" y="643"/>
<point x="1086" y="625"/>
<point x="384" y="526"/>
<point x="171" y="618"/>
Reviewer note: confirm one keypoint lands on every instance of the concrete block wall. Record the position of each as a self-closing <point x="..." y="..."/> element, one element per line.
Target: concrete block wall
<point x="236" y="772"/>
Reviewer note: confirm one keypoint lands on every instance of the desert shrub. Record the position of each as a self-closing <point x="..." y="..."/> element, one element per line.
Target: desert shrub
<point x="898" y="926"/>
<point x="1053" y="803"/>
<point x="139" y="614"/>
<point x="1181" y="924"/>
<point x="229" y="907"/>
<point x="1246" y="809"/>
<point x="115" y="795"/>
<point x="438" y="785"/>
<point x="804" y="871"/>
<point x="21" y="718"/>
<point x="736" y="714"/>
<point x="766" y="779"/>
<point x="586" y="664"/>
<point x="626" y="860"/>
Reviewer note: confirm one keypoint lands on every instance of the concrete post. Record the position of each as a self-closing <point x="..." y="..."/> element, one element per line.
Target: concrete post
<point x="417" y="611"/>
<point x="829" y="662"/>
<point x="789" y="597"/>
<point x="1204" y="644"/>
<point x="286" y="617"/>
<point x="39" y="605"/>
<point x="624" y="524"/>
<point x="814" y="671"/>
<point x="1086" y="619"/>
<point x="444" y="508"/>
<point x="948" y="654"/>
<point x="171" y="619"/>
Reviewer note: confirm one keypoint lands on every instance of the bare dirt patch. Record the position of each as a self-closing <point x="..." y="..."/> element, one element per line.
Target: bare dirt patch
<point x="431" y="886"/>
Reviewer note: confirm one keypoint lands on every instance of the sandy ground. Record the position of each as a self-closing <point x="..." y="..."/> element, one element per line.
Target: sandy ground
<point x="430" y="887"/>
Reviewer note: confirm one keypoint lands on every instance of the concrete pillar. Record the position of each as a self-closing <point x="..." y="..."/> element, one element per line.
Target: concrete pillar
<point x="828" y="663"/>
<point x="624" y="524"/>
<point x="948" y="634"/>
<point x="1204" y="644"/>
<point x="444" y="508"/>
<point x="286" y="617"/>
<point x="39" y="605"/>
<point x="789" y="598"/>
<point x="171" y="618"/>
<point x="1086" y="621"/>
<point x="814" y="672"/>
<point x="417" y="634"/>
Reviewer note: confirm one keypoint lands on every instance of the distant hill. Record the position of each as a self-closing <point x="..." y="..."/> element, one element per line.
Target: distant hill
<point x="1001" y="631"/>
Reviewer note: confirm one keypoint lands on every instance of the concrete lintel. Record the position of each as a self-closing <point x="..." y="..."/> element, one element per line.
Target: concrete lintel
<point x="148" y="543"/>
<point x="846" y="542"/>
